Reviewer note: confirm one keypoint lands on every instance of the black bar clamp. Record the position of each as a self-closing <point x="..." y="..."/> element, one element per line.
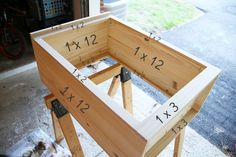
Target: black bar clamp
<point x="125" y="75"/>
<point x="58" y="108"/>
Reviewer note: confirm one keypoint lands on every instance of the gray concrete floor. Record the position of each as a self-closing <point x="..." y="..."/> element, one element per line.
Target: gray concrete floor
<point x="22" y="108"/>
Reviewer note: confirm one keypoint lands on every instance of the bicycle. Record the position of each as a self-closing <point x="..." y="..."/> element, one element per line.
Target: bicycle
<point x="11" y="40"/>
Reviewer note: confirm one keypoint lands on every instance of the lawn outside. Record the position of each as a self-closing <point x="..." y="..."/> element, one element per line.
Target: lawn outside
<point x="160" y="15"/>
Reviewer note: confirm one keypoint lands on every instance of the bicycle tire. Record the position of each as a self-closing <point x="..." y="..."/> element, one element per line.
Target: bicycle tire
<point x="12" y="42"/>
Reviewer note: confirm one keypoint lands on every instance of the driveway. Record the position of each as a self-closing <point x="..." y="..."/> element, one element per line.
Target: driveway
<point x="212" y="37"/>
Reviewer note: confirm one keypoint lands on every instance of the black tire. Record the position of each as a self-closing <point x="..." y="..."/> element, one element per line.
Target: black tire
<point x="12" y="42"/>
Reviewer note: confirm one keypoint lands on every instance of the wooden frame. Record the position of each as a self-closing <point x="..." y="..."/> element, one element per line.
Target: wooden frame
<point x="61" y="50"/>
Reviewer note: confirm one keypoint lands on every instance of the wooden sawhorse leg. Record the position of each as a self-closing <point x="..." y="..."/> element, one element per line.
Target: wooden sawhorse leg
<point x="126" y="85"/>
<point x="179" y="140"/>
<point x="114" y="86"/>
<point x="62" y="122"/>
<point x="56" y="127"/>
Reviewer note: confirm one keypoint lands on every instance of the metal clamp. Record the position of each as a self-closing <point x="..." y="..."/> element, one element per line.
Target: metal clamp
<point x="58" y="108"/>
<point x="125" y="75"/>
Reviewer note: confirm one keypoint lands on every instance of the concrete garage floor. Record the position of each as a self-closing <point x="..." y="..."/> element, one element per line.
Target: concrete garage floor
<point x="22" y="108"/>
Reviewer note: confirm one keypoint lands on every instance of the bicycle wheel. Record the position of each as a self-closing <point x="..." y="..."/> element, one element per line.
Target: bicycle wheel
<point x="12" y="42"/>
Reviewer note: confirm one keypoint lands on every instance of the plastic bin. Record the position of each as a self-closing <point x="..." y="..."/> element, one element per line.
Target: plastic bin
<point x="117" y="8"/>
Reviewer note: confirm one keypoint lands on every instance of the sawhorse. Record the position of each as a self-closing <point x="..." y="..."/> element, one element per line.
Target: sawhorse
<point x="62" y="121"/>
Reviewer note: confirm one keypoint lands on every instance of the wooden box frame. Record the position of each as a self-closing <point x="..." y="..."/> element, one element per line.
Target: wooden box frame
<point x="187" y="80"/>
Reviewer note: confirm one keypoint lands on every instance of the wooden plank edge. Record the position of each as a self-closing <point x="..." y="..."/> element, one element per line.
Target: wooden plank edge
<point x="105" y="15"/>
<point x="106" y="74"/>
<point x="92" y="60"/>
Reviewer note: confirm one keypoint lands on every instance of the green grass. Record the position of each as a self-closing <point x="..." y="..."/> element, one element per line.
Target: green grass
<point x="159" y="15"/>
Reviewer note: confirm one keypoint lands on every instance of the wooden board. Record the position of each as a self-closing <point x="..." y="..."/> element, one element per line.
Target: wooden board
<point x="186" y="79"/>
<point x="90" y="109"/>
<point x="160" y="65"/>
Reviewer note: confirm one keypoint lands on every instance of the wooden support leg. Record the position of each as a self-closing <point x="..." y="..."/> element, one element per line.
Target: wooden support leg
<point x="127" y="96"/>
<point x="179" y="140"/>
<point x="203" y="95"/>
<point x="114" y="86"/>
<point x="57" y="129"/>
<point x="62" y="122"/>
<point x="71" y="136"/>
<point x="125" y="78"/>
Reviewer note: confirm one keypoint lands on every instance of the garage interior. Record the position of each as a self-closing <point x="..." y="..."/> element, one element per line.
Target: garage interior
<point x="24" y="116"/>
